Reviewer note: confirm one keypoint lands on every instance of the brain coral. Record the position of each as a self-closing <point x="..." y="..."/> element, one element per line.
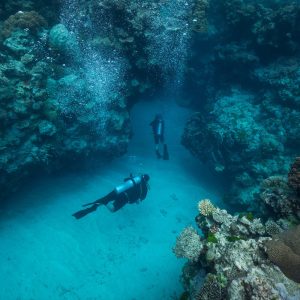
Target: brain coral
<point x="284" y="251"/>
<point x="23" y="20"/>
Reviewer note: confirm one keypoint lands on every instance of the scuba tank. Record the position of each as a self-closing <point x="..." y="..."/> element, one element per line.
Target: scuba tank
<point x="159" y="127"/>
<point x="131" y="182"/>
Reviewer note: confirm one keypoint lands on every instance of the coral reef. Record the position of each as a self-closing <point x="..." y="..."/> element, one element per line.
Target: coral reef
<point x="36" y="89"/>
<point x="246" y="93"/>
<point x="236" y="262"/>
<point x="280" y="194"/>
<point x="240" y="253"/>
<point x="244" y="82"/>
<point x="235" y="144"/>
<point x="188" y="244"/>
<point x="52" y="110"/>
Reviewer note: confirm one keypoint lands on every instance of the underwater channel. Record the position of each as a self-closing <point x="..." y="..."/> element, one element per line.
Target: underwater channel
<point x="149" y="150"/>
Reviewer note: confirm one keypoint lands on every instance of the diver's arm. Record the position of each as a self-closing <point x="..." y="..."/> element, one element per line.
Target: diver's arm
<point x="144" y="191"/>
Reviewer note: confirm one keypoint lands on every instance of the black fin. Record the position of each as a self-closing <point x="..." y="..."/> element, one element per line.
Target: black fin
<point x="80" y="214"/>
<point x="166" y="153"/>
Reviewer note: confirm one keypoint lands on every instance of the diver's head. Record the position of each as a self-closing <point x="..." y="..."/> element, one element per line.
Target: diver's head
<point x="146" y="177"/>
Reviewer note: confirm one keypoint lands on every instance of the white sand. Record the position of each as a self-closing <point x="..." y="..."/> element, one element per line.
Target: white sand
<point x="47" y="254"/>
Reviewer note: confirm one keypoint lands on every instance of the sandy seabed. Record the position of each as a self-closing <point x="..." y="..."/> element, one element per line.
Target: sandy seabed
<point x="47" y="254"/>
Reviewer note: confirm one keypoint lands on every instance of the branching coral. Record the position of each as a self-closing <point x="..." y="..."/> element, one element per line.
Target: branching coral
<point x="23" y="20"/>
<point x="188" y="244"/>
<point x="205" y="207"/>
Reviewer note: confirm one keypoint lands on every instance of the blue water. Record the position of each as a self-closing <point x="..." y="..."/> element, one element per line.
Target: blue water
<point x="46" y="254"/>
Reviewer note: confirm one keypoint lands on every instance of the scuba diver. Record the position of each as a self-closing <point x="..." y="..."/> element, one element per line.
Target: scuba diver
<point x="158" y="128"/>
<point x="131" y="191"/>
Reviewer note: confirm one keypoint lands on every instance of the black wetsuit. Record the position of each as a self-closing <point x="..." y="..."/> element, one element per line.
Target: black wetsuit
<point x="158" y="134"/>
<point x="158" y="128"/>
<point x="132" y="195"/>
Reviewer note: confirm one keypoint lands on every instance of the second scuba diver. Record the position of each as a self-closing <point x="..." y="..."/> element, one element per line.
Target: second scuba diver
<point x="158" y="128"/>
<point x="131" y="191"/>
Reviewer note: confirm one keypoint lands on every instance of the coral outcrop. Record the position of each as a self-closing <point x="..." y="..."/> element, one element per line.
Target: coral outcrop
<point x="244" y="257"/>
<point x="246" y="93"/>
<point x="188" y="244"/>
<point x="49" y="113"/>
<point x="236" y="260"/>
<point x="280" y="194"/>
<point x="52" y="109"/>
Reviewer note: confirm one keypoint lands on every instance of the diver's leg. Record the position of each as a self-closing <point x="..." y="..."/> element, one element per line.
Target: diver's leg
<point x="119" y="202"/>
<point x="104" y="200"/>
<point x="156" y="141"/>
<point x="158" y="155"/>
<point x="94" y="205"/>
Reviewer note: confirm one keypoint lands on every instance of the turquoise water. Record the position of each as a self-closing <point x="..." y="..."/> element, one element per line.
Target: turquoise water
<point x="46" y="254"/>
<point x="80" y="82"/>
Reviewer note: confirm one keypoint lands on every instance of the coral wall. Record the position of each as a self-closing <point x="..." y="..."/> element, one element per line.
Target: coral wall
<point x="244" y="75"/>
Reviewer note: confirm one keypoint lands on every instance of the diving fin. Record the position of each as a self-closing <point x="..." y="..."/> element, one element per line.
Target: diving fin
<point x="80" y="214"/>
<point x="166" y="153"/>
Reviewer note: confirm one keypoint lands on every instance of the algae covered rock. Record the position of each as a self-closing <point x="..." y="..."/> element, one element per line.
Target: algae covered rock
<point x="46" y="128"/>
<point x="19" y="42"/>
<point x="61" y="39"/>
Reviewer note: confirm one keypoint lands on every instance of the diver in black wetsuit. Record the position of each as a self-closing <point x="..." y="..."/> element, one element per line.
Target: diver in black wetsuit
<point x="131" y="191"/>
<point x="158" y="128"/>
